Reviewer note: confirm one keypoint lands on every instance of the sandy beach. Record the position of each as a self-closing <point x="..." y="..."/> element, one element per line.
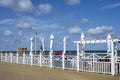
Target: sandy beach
<point x="24" y="72"/>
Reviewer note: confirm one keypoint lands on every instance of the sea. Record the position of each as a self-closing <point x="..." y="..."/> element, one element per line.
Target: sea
<point x="67" y="52"/>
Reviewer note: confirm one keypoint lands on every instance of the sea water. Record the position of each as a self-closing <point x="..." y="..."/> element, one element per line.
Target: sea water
<point x="67" y="52"/>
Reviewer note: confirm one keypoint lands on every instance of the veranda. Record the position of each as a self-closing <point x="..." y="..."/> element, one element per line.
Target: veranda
<point x="89" y="62"/>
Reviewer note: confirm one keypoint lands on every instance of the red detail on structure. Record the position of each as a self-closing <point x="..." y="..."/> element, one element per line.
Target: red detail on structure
<point x="60" y="54"/>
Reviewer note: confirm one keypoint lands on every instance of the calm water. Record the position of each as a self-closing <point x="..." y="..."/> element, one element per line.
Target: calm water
<point x="67" y="52"/>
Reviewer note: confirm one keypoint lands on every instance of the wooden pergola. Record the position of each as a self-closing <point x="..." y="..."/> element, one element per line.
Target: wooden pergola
<point x="112" y="49"/>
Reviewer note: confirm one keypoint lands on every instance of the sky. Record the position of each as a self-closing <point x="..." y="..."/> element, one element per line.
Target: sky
<point x="21" y="19"/>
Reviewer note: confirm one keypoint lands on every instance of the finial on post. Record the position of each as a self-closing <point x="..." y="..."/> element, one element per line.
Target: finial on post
<point x="82" y="36"/>
<point x="31" y="39"/>
<point x="51" y="36"/>
<point x="51" y="42"/>
<point x="109" y="37"/>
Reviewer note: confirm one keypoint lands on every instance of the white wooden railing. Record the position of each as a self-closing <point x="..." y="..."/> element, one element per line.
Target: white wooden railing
<point x="96" y="65"/>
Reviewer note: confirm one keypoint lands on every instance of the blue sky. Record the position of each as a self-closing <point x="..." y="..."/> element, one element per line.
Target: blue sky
<point x="19" y="19"/>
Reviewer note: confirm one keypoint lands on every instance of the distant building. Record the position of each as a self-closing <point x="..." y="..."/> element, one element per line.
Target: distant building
<point x="21" y="50"/>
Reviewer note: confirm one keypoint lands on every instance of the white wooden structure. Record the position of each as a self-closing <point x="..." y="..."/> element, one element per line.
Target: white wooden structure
<point x="89" y="62"/>
<point x="112" y="50"/>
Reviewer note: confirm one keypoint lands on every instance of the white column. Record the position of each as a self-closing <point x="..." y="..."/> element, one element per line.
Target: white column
<point x="51" y="42"/>
<point x="35" y="41"/>
<point x="82" y="49"/>
<point x="82" y="44"/>
<point x="5" y="57"/>
<point x="64" y="51"/>
<point x="51" y="49"/>
<point x="31" y="59"/>
<point x="51" y="60"/>
<point x="31" y="51"/>
<point x="23" y="57"/>
<point x="11" y="57"/>
<point x="42" y="50"/>
<point x="93" y="62"/>
<point x="1" y="56"/>
<point x="63" y="61"/>
<point x="43" y="45"/>
<point x="40" y="59"/>
<point x="116" y="54"/>
<point x="112" y="58"/>
<point x="17" y="58"/>
<point x="109" y="43"/>
<point x="31" y="45"/>
<point x="78" y="56"/>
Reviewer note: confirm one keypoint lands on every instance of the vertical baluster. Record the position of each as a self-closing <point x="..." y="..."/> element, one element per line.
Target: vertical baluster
<point x="17" y="57"/>
<point x="1" y="56"/>
<point x="23" y="57"/>
<point x="5" y="57"/>
<point x="11" y="57"/>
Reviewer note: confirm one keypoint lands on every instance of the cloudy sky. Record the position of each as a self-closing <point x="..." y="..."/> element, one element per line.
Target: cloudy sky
<point x="21" y="19"/>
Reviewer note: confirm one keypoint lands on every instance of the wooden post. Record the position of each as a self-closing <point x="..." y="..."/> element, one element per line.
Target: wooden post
<point x="93" y="62"/>
<point x="31" y="58"/>
<point x="11" y="57"/>
<point x="51" y="60"/>
<point x="43" y="47"/>
<point x="31" y="51"/>
<point x="6" y="57"/>
<point x="17" y="58"/>
<point x="23" y="57"/>
<point x="109" y="43"/>
<point x="40" y="59"/>
<point x="51" y="49"/>
<point x="31" y="45"/>
<point x="1" y="56"/>
<point x="112" y="58"/>
<point x="78" y="56"/>
<point x="82" y="49"/>
<point x="82" y="44"/>
<point x="116" y="54"/>
<point x="63" y="61"/>
<point x="63" y="54"/>
<point x="41" y="51"/>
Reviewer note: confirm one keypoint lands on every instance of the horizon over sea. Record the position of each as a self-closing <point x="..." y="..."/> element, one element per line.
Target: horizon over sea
<point x="67" y="52"/>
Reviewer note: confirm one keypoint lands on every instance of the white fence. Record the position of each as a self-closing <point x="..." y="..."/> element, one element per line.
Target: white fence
<point x="91" y="63"/>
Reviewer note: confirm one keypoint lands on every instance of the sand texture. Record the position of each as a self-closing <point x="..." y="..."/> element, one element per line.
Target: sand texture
<point x="24" y="72"/>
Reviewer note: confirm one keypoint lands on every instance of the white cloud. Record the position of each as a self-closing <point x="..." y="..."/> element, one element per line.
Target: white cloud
<point x="23" y="25"/>
<point x="44" y="8"/>
<point x="73" y="2"/>
<point x="6" y="2"/>
<point x="28" y="23"/>
<point x="7" y="33"/>
<point x="23" y="6"/>
<point x="74" y="30"/>
<point x="85" y="21"/>
<point x="100" y="30"/>
<point x="114" y="5"/>
<point x="6" y="21"/>
<point x="26" y="7"/>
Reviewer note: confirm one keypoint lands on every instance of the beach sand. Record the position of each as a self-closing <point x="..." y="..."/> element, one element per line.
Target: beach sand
<point x="24" y="72"/>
